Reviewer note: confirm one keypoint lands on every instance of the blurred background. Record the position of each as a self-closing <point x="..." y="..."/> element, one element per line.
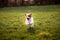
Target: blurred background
<point x="27" y="2"/>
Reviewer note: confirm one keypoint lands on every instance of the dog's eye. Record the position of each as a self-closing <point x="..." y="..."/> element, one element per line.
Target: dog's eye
<point x="29" y="15"/>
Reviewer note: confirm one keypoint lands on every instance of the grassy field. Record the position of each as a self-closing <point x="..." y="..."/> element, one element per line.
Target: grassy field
<point x="46" y="23"/>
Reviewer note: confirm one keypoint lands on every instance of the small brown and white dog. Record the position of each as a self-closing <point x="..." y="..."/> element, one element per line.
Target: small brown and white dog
<point x="29" y="20"/>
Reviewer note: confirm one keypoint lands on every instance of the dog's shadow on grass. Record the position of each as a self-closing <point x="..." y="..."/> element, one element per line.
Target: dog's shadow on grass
<point x="31" y="30"/>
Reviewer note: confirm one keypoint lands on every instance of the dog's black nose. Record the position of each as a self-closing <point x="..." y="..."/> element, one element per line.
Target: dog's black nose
<point x="27" y="18"/>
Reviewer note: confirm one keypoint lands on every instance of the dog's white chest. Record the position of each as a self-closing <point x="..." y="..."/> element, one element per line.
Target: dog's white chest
<point x="30" y="22"/>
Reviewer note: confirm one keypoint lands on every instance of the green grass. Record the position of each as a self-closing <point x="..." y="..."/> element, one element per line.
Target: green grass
<point x="46" y="23"/>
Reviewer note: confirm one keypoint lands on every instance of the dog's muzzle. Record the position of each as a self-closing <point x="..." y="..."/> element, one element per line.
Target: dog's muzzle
<point x="28" y="18"/>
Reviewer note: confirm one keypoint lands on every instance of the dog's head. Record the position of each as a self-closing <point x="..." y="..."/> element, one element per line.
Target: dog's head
<point x="28" y="16"/>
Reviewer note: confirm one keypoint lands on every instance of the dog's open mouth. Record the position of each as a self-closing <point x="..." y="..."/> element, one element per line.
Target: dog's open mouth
<point x="28" y="18"/>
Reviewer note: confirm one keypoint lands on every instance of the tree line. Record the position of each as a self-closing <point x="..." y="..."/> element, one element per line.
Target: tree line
<point x="27" y="2"/>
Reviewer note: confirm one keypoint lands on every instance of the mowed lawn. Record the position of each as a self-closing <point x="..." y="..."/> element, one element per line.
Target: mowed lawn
<point x="46" y="23"/>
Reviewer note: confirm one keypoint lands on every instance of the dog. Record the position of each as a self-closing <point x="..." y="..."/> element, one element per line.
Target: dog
<point x="29" y="20"/>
